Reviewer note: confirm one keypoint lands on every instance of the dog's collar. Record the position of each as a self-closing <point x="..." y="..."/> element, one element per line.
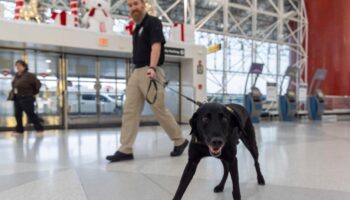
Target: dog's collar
<point x="229" y="109"/>
<point x="195" y="140"/>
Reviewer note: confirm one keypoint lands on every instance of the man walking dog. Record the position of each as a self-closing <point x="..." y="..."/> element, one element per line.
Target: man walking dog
<point x="148" y="55"/>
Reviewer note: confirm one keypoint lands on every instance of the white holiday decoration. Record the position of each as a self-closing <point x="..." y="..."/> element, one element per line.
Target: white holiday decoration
<point x="98" y="18"/>
<point x="63" y="19"/>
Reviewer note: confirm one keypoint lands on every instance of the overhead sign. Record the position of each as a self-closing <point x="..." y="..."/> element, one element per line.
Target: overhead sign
<point x="256" y="68"/>
<point x="174" y="51"/>
<point x="214" y="48"/>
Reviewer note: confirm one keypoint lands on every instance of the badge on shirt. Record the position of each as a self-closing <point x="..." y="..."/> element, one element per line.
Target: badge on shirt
<point x="140" y="31"/>
<point x="15" y="91"/>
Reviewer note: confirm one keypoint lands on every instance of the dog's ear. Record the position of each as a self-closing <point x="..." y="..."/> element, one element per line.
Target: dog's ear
<point x="193" y="124"/>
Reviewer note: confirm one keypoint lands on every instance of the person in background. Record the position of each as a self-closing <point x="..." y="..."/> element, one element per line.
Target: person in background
<point x="148" y="56"/>
<point x="25" y="86"/>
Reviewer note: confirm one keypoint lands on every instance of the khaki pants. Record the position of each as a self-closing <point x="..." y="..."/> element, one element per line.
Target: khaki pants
<point x="136" y="91"/>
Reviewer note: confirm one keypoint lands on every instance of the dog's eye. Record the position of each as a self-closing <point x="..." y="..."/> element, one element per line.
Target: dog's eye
<point x="205" y="119"/>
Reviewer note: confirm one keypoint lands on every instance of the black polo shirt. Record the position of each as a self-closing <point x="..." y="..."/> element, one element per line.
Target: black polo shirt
<point x="149" y="31"/>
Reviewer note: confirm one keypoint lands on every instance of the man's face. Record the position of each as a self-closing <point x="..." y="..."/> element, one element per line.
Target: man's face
<point x="136" y="9"/>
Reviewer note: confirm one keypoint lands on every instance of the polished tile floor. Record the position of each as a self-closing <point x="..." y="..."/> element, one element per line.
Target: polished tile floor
<point x="300" y="161"/>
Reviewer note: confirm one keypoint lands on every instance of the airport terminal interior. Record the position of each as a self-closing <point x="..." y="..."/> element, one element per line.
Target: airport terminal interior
<point x="284" y="61"/>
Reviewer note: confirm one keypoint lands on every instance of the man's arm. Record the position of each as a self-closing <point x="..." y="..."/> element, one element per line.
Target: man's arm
<point x="157" y="40"/>
<point x="155" y="54"/>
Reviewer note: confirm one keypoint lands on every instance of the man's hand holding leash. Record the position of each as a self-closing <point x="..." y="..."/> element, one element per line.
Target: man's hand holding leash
<point x="151" y="73"/>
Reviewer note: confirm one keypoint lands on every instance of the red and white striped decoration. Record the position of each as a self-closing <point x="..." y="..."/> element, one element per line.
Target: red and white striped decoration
<point x="74" y="10"/>
<point x="182" y="30"/>
<point x="62" y="17"/>
<point x="19" y="5"/>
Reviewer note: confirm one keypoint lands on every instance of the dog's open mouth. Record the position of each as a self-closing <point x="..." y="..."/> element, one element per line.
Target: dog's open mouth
<point x="215" y="151"/>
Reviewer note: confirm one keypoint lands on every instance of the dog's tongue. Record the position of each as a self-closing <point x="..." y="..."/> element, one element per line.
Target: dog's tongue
<point x="215" y="149"/>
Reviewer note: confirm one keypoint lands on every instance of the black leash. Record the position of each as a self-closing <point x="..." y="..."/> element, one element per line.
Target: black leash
<point x="152" y="82"/>
<point x="155" y="81"/>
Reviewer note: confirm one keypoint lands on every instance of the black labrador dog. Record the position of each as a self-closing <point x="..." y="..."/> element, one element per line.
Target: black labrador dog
<point x="216" y="130"/>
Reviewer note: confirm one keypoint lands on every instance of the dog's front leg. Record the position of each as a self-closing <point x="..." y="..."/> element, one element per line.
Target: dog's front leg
<point x="220" y="187"/>
<point x="186" y="178"/>
<point x="233" y="168"/>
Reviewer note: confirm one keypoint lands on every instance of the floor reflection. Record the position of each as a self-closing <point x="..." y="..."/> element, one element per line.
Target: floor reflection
<point x="299" y="161"/>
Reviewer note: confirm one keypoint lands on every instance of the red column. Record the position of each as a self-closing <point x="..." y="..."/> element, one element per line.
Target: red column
<point x="329" y="43"/>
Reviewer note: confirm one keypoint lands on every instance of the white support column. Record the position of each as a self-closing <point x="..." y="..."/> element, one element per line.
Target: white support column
<point x="185" y="11"/>
<point x="278" y="83"/>
<point x="225" y="52"/>
<point x="254" y="28"/>
<point x="279" y="40"/>
<point x="254" y="17"/>
<point x="226" y="13"/>
<point x="305" y="38"/>
<point x="192" y="12"/>
<point x="254" y="35"/>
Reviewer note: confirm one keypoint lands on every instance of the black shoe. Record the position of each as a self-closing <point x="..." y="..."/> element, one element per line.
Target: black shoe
<point x="119" y="156"/>
<point x="178" y="150"/>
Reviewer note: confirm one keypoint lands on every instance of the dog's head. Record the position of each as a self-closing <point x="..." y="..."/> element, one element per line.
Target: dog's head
<point x="214" y="124"/>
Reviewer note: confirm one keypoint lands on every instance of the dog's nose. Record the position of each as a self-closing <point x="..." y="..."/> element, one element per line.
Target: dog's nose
<point x="216" y="142"/>
<point x="99" y="5"/>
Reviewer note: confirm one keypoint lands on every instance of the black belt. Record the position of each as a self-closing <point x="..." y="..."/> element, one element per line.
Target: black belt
<point x="140" y="65"/>
<point x="21" y="95"/>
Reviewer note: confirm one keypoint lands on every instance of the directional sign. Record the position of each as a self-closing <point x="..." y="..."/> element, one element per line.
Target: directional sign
<point x="214" y="48"/>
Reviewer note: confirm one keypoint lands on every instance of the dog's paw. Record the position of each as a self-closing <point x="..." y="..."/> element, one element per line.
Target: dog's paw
<point x="261" y="180"/>
<point x="218" y="189"/>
